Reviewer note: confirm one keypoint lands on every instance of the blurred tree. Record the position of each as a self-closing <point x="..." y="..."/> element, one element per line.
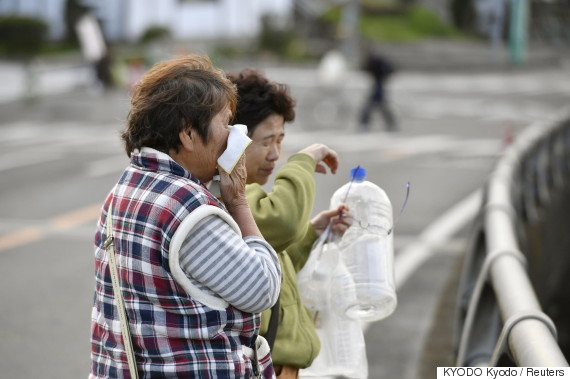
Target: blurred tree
<point x="283" y="42"/>
<point x="74" y="9"/>
<point x="22" y="37"/>
<point x="155" y="33"/>
<point x="397" y="23"/>
<point x="463" y="14"/>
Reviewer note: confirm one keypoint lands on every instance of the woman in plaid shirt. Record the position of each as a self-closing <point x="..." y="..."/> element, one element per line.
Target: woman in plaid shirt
<point x="194" y="274"/>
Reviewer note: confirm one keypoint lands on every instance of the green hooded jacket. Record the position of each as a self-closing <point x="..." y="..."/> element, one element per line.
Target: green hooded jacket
<point x="283" y="218"/>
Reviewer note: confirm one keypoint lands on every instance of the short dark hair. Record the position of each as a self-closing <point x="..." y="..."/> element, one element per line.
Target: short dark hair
<point x="259" y="98"/>
<point x="172" y="96"/>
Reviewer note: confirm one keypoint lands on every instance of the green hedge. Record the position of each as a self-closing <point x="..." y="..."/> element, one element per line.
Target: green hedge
<point x="154" y="33"/>
<point x="403" y="24"/>
<point x="286" y="43"/>
<point x="22" y="37"/>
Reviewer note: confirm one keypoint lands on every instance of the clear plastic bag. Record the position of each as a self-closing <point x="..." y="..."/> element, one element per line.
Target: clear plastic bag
<point x="315" y="276"/>
<point x="343" y="350"/>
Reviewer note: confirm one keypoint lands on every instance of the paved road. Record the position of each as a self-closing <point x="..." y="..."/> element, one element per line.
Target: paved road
<point x="454" y="128"/>
<point x="60" y="155"/>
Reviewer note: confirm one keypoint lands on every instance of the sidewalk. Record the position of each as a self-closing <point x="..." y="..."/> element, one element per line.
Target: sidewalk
<point x="66" y="74"/>
<point x="462" y="55"/>
<point x="46" y="78"/>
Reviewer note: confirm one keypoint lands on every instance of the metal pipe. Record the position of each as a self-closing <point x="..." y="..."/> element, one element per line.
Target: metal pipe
<point x="530" y="340"/>
<point x="532" y="345"/>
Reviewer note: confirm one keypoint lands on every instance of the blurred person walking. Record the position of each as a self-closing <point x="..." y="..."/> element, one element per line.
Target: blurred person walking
<point x="283" y="215"/>
<point x="194" y="273"/>
<point x="379" y="69"/>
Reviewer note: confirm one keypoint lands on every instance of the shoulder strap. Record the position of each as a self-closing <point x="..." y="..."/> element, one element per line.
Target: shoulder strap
<point x="273" y="324"/>
<point x="110" y="248"/>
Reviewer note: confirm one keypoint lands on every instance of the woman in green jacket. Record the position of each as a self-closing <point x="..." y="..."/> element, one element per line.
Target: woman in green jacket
<point x="283" y="215"/>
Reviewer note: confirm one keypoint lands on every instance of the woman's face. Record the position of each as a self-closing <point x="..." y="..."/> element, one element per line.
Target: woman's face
<point x="262" y="154"/>
<point x="208" y="153"/>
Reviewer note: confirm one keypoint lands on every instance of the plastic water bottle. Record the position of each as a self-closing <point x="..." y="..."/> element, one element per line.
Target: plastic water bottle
<point x="363" y="286"/>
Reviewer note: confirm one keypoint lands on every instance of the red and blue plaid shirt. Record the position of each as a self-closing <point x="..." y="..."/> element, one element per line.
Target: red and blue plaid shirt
<point x="173" y="334"/>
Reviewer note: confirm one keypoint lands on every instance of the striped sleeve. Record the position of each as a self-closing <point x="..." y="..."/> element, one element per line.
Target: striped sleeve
<point x="244" y="272"/>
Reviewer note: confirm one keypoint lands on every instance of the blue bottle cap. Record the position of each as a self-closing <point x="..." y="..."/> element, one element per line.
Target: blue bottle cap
<point x="358" y="173"/>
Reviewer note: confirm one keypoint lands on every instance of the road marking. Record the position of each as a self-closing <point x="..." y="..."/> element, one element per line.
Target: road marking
<point x="411" y="257"/>
<point x="389" y="148"/>
<point x="64" y="222"/>
<point x="72" y="219"/>
<point x="20" y="160"/>
<point x="21" y="237"/>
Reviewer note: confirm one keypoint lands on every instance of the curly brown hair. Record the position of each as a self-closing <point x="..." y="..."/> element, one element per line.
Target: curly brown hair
<point x="259" y="98"/>
<point x="174" y="95"/>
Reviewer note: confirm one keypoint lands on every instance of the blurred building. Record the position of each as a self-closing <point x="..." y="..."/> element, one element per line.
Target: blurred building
<point x="127" y="20"/>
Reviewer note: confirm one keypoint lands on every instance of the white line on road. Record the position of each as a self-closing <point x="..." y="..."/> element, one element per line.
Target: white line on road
<point x="23" y="160"/>
<point x="390" y="147"/>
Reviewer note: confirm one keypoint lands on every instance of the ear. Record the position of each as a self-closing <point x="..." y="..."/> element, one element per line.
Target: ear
<point x="188" y="139"/>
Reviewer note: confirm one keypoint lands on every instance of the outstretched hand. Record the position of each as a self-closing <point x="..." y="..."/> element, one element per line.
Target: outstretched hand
<point x="341" y="220"/>
<point x="322" y="154"/>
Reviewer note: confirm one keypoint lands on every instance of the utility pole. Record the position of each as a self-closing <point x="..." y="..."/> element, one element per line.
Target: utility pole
<point x="518" y="31"/>
<point x="350" y="32"/>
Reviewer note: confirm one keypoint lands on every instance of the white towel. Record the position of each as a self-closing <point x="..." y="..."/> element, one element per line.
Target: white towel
<point x="238" y="141"/>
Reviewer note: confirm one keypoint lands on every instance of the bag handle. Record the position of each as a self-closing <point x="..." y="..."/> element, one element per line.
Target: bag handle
<point x="109" y="246"/>
<point x="273" y="325"/>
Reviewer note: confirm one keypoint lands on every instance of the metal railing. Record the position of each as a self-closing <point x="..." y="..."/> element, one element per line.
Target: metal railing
<point x="500" y="311"/>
